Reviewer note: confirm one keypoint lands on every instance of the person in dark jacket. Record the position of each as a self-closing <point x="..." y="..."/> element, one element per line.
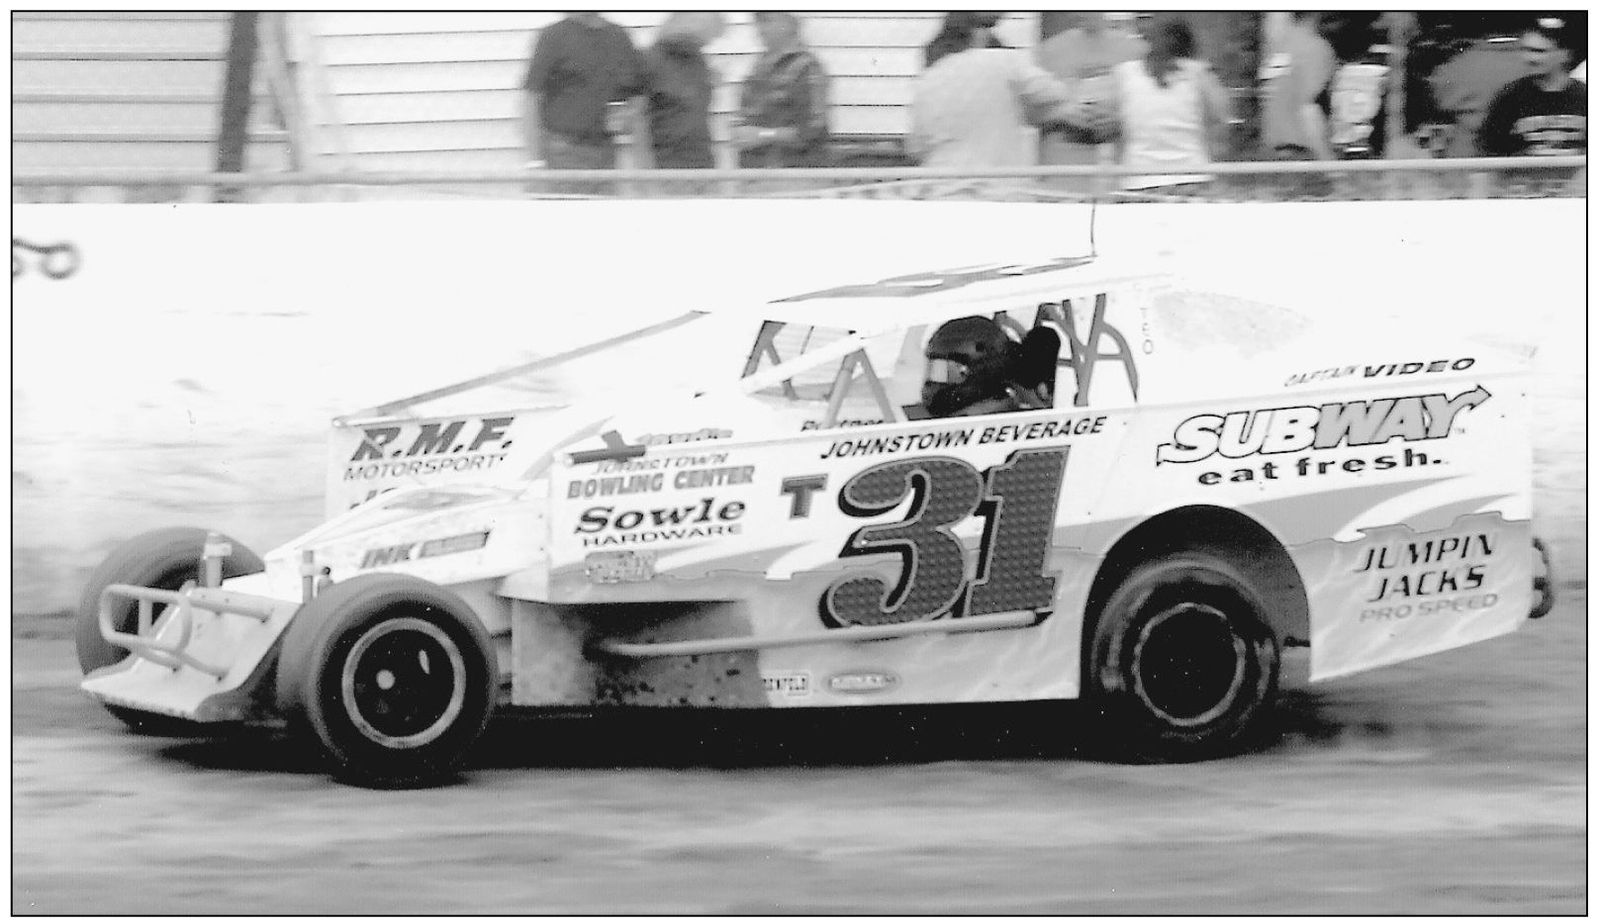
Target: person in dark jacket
<point x="782" y="115"/>
<point x="579" y="66"/>
<point x="1543" y="113"/>
<point x="680" y="86"/>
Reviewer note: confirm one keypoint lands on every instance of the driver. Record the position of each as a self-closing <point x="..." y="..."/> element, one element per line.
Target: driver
<point x="968" y="361"/>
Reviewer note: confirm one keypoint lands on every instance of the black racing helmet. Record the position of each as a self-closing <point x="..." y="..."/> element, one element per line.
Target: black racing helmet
<point x="967" y="361"/>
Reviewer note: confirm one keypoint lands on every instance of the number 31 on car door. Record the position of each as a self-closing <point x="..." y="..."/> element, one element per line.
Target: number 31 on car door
<point x="1017" y="500"/>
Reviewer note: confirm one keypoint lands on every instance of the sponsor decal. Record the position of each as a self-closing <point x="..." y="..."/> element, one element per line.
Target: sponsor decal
<point x="1449" y="606"/>
<point x="696" y="436"/>
<point x="619" y="484"/>
<point x="428" y="548"/>
<point x="619" y="567"/>
<point x="656" y="463"/>
<point x="606" y="525"/>
<point x="943" y="439"/>
<point x="387" y="555"/>
<point x="1305" y="467"/>
<point x="802" y="488"/>
<point x="845" y="422"/>
<point x="904" y="442"/>
<point x="1435" y="365"/>
<point x="469" y="542"/>
<point x="468" y="444"/>
<point x="1295" y="429"/>
<point x="1411" y="568"/>
<point x="617" y="449"/>
<point x="1017" y="499"/>
<point x="712" y="477"/>
<point x="1043" y="429"/>
<point x="791" y="684"/>
<point x="684" y="479"/>
<point x="53" y="261"/>
<point x="862" y="682"/>
<point x="1277" y="431"/>
<point x="1382" y="370"/>
<point x="1320" y="375"/>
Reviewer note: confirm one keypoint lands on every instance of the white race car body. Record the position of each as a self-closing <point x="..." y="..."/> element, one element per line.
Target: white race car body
<point x="769" y="522"/>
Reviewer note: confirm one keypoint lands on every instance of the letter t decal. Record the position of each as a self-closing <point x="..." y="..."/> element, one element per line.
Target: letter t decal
<point x="801" y="488"/>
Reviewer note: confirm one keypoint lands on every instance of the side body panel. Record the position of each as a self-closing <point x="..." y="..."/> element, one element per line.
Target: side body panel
<point x="921" y="521"/>
<point x="1405" y="505"/>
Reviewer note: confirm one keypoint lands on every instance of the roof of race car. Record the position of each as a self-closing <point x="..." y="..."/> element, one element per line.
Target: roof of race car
<point x="904" y="301"/>
<point x="865" y="310"/>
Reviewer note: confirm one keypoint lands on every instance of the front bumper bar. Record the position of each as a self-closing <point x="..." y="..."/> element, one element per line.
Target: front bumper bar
<point x="202" y="657"/>
<point x="174" y="653"/>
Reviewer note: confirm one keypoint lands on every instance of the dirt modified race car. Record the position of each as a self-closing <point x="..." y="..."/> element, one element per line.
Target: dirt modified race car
<point x="1045" y="481"/>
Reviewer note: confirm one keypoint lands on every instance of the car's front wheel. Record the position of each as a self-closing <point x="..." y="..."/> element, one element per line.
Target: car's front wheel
<point x="1183" y="662"/>
<point x="392" y="675"/>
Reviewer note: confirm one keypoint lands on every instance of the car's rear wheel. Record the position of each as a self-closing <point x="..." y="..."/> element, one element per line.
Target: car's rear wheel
<point x="391" y="675"/>
<point x="1542" y="595"/>
<point x="165" y="559"/>
<point x="1183" y="662"/>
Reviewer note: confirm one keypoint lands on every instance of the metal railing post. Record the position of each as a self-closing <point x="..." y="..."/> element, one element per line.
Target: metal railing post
<point x="232" y="136"/>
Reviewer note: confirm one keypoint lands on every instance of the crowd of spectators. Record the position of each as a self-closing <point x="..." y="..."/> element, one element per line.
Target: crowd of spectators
<point x="1100" y="92"/>
<point x="591" y="96"/>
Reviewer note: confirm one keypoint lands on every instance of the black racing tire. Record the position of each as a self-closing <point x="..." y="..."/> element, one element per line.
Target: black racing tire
<point x="164" y="559"/>
<point x="1542" y="582"/>
<point x="1183" y="661"/>
<point x="394" y="676"/>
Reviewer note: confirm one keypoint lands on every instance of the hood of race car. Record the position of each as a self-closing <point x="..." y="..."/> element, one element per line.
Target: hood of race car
<point x="447" y="534"/>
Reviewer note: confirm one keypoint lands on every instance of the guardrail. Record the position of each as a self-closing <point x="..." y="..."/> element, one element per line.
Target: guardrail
<point x="1474" y="178"/>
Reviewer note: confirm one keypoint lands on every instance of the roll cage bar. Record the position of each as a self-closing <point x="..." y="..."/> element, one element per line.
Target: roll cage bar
<point x="1080" y="354"/>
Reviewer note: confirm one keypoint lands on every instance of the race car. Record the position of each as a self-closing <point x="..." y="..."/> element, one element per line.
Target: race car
<point x="1058" y="479"/>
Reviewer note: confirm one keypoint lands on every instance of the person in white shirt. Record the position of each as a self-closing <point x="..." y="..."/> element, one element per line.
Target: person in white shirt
<point x="1173" y="111"/>
<point x="1295" y="92"/>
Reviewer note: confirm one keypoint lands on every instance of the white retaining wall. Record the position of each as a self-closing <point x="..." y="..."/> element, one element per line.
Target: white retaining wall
<point x="186" y="373"/>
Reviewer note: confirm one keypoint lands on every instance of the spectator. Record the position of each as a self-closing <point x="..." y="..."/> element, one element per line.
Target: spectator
<point x="579" y="65"/>
<point x="1084" y="58"/>
<point x="680" y="84"/>
<point x="957" y="32"/>
<point x="782" y="117"/>
<point x="1297" y="78"/>
<point x="1543" y="113"/>
<point x="1173" y="111"/>
<point x="1464" y="85"/>
<point x="1358" y="109"/>
<point x="1359" y="85"/>
<point x="972" y="107"/>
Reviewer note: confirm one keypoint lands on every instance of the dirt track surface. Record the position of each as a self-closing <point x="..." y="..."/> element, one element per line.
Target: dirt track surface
<point x="1450" y="785"/>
